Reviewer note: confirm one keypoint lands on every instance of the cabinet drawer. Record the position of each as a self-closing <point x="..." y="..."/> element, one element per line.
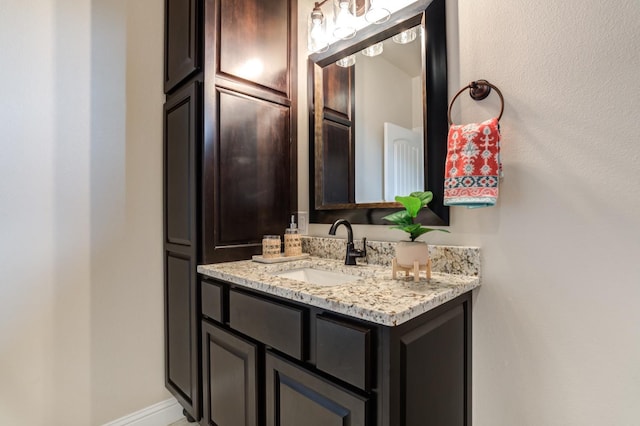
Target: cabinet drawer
<point x="344" y="351"/>
<point x="212" y="300"/>
<point x="272" y="323"/>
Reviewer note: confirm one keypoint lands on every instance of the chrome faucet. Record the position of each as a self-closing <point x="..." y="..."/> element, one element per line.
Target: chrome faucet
<point x="352" y="253"/>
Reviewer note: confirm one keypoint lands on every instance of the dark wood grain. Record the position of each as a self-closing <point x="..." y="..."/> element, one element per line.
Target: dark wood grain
<point x="230" y="171"/>
<point x="182" y="354"/>
<point x="429" y="382"/>
<point x="253" y="169"/>
<point x="180" y="145"/>
<point x="338" y="91"/>
<point x="181" y="142"/>
<point x="277" y="325"/>
<point x="231" y="372"/>
<point x="296" y="397"/>
<point x="343" y="349"/>
<point x="183" y="54"/>
<point x="212" y="300"/>
<point x="255" y="42"/>
<point x="249" y="176"/>
<point x="336" y="182"/>
<point x="415" y="374"/>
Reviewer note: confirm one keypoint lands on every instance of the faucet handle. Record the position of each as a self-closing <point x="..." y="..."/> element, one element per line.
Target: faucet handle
<point x="363" y="252"/>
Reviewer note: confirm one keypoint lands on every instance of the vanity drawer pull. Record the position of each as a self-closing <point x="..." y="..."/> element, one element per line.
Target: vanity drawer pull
<point x="211" y="300"/>
<point x="272" y="323"/>
<point x="344" y="351"/>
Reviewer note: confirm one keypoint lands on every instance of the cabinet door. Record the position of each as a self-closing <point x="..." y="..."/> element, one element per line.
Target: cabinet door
<point x="250" y="157"/>
<point x="256" y="42"/>
<point x="297" y="397"/>
<point x="181" y="121"/>
<point x="334" y="121"/>
<point x="181" y="331"/>
<point x="435" y="371"/>
<point x="338" y="171"/>
<point x="248" y="181"/>
<point x="181" y="247"/>
<point x="229" y="366"/>
<point x="182" y="55"/>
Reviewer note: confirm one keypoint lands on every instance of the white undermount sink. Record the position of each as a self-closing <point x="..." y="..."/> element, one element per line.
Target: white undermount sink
<point x="319" y="277"/>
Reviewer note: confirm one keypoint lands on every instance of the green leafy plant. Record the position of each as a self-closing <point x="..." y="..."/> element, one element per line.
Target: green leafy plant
<point x="405" y="219"/>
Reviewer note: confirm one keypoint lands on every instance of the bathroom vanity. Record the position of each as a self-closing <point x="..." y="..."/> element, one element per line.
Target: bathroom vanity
<point x="367" y="351"/>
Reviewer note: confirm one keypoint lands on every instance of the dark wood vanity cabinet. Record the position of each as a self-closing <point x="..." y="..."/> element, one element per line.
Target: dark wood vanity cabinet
<point x="269" y="361"/>
<point x="230" y="156"/>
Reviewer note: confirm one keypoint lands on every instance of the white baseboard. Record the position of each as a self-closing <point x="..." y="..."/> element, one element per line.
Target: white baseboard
<point x="161" y="414"/>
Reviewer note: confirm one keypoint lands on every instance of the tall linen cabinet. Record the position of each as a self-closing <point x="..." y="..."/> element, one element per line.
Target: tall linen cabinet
<point x="230" y="172"/>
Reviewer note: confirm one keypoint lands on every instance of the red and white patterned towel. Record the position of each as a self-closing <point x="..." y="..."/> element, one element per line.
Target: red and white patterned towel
<point x="473" y="166"/>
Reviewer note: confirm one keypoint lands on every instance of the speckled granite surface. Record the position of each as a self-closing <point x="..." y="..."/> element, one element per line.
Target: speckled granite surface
<point x="373" y="295"/>
<point x="448" y="259"/>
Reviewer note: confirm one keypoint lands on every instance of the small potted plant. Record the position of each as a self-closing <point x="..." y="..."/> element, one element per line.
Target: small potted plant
<point x="407" y="252"/>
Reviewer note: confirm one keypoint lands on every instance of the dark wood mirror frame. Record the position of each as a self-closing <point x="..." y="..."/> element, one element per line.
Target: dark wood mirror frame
<point x="431" y="15"/>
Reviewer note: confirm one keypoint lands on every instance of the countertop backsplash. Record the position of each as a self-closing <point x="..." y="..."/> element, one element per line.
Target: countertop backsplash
<point x="457" y="260"/>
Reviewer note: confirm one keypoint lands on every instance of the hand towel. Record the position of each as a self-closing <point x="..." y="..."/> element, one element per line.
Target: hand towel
<point x="473" y="166"/>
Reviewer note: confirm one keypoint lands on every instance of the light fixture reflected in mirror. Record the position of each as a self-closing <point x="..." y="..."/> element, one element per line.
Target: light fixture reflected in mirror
<point x="344" y="22"/>
<point x="405" y="37"/>
<point x="346" y="61"/>
<point x="373" y="50"/>
<point x="345" y="18"/>
<point x="377" y="13"/>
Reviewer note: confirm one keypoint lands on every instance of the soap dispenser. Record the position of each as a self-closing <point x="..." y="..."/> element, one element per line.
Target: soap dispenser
<point x="292" y="240"/>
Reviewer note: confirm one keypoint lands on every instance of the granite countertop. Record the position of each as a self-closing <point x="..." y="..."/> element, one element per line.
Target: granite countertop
<point x="374" y="297"/>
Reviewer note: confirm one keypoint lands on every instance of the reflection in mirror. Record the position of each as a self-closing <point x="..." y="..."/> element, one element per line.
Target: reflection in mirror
<point x="399" y="95"/>
<point x="389" y="122"/>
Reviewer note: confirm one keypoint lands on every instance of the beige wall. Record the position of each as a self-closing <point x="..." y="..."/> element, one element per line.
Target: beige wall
<point x="556" y="322"/>
<point x="80" y="210"/>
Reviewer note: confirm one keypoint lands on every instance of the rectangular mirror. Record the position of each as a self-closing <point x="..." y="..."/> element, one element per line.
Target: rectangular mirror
<point x="378" y="127"/>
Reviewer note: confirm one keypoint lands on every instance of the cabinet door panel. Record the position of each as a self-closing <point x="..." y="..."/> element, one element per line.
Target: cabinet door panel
<point x="297" y="397"/>
<point x="433" y="359"/>
<point x="255" y="42"/>
<point x="180" y="127"/>
<point x="230" y="378"/>
<point x="182" y="41"/>
<point x="178" y="319"/>
<point x="338" y="164"/>
<point x="253" y="169"/>
<point x="338" y="91"/>
<point x="344" y="351"/>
